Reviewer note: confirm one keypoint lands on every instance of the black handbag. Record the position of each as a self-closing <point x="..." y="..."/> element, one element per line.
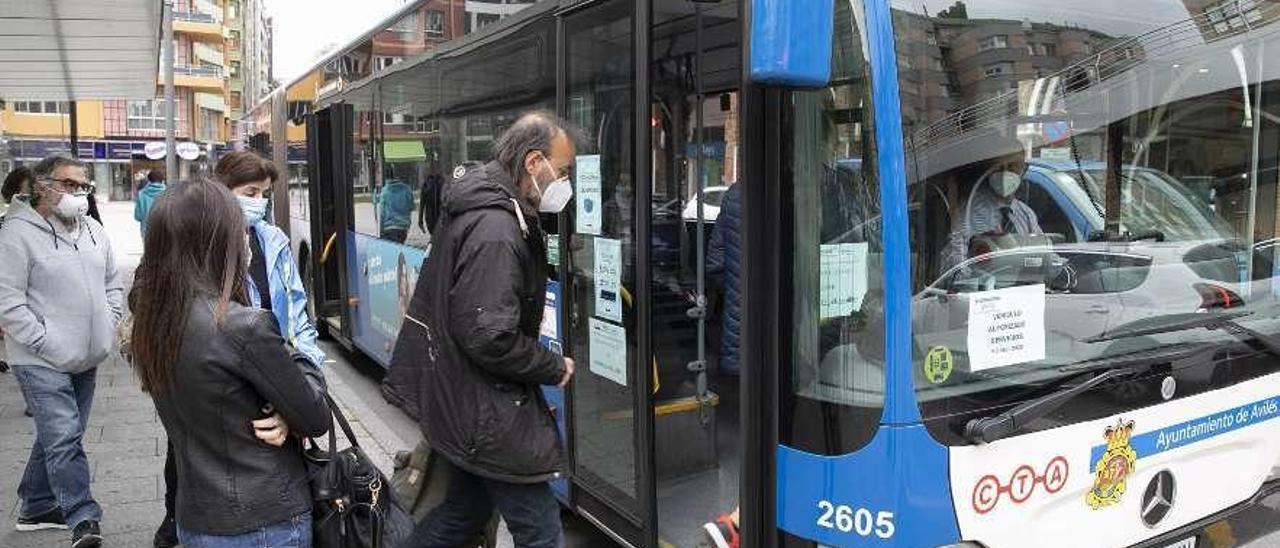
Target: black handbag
<point x="353" y="505"/>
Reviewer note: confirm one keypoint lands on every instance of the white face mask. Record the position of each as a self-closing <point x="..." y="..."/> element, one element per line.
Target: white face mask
<point x="254" y="209"/>
<point x="557" y="194"/>
<point x="72" y="206"/>
<point x="1004" y="183"/>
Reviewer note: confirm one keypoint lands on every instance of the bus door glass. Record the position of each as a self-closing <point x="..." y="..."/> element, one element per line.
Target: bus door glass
<point x="1093" y="224"/>
<point x="601" y="252"/>
<point x="695" y="260"/>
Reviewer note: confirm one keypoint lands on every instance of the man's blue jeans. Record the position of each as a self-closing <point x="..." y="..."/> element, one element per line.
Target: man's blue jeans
<point x="531" y="511"/>
<point x="57" y="474"/>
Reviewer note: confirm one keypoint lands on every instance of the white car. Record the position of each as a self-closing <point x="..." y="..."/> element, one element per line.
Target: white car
<point x="712" y="196"/>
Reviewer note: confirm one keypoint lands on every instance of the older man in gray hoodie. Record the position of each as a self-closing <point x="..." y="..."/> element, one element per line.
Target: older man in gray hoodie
<point x="60" y="301"/>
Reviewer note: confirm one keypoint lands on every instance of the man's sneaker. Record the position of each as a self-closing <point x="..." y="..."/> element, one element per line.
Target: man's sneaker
<point x="167" y="534"/>
<point x="49" y="520"/>
<point x="87" y="534"/>
<point x="722" y="533"/>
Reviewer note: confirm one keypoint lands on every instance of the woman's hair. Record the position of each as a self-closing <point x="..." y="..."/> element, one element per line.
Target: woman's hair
<point x="242" y="167"/>
<point x="15" y="183"/>
<point x="156" y="175"/>
<point x="195" y="245"/>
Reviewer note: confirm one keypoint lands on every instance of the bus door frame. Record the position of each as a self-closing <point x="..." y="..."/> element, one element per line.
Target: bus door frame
<point x="328" y="148"/>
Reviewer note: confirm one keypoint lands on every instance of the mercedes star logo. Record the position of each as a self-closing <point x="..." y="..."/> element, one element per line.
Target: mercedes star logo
<point x="1158" y="498"/>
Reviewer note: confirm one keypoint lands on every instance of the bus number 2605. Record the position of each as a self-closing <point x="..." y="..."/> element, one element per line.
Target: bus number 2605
<point x="861" y="521"/>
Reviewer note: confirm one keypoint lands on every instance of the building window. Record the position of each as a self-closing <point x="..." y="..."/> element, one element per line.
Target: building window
<point x="1230" y="15"/>
<point x="1042" y="49"/>
<point x="210" y="125"/>
<point x="484" y="19"/>
<point x="407" y="27"/>
<point x="41" y="107"/>
<point x="935" y="63"/>
<point x="435" y="23"/>
<point x="904" y="62"/>
<point x="233" y="9"/>
<point x="382" y="62"/>
<point x="235" y="69"/>
<point x="946" y="90"/>
<point x="989" y="43"/>
<point x="997" y="70"/>
<point x="146" y="115"/>
<point x="931" y="38"/>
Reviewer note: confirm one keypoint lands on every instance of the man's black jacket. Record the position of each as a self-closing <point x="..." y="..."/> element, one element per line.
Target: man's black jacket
<point x="467" y="363"/>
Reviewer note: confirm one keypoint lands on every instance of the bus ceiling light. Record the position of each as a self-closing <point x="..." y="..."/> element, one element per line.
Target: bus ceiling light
<point x="791" y="42"/>
<point x="1216" y="297"/>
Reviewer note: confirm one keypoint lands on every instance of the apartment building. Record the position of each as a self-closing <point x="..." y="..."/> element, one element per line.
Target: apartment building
<point x="221" y="65"/>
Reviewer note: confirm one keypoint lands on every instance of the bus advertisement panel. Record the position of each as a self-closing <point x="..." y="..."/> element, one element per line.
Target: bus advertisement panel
<point x="383" y="281"/>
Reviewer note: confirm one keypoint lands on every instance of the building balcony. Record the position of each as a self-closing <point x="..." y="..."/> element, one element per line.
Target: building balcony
<point x="202" y="78"/>
<point x="203" y="25"/>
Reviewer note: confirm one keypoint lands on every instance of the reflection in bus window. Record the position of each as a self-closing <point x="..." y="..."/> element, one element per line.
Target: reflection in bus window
<point x="837" y="343"/>
<point x="1144" y="150"/>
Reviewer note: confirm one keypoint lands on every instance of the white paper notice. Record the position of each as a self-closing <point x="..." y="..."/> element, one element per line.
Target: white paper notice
<point x="1006" y="327"/>
<point x="843" y="281"/>
<point x="588" y="183"/>
<point x="609" y="351"/>
<point x="609" y="279"/>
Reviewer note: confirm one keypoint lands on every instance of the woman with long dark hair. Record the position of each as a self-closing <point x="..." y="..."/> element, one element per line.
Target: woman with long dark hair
<point x="213" y="364"/>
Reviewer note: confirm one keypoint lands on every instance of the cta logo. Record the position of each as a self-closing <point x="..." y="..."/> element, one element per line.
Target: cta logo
<point x="1021" y="484"/>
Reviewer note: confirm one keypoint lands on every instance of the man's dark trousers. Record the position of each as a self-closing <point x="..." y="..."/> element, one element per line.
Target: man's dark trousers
<point x="531" y="511"/>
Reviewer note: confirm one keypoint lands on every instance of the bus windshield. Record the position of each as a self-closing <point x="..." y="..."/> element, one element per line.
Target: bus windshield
<point x="1087" y="188"/>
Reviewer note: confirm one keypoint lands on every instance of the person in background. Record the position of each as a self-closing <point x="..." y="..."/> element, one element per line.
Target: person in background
<point x="14" y="182"/>
<point x="468" y="363"/>
<point x="210" y="361"/>
<point x="394" y="208"/>
<point x="273" y="285"/>
<point x="429" y="203"/>
<point x="60" y="303"/>
<point x="724" y="259"/>
<point x="147" y="198"/>
<point x="93" y="212"/>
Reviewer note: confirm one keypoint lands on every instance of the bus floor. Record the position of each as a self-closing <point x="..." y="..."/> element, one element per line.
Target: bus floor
<point x="688" y="501"/>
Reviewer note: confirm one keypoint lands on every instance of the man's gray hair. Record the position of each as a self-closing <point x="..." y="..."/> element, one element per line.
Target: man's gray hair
<point x="50" y="164"/>
<point x="532" y="131"/>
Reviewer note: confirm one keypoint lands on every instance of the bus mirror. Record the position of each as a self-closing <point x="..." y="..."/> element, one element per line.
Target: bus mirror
<point x="791" y="42"/>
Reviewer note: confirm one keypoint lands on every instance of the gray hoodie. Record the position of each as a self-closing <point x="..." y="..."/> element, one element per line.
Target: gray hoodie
<point x="60" y="291"/>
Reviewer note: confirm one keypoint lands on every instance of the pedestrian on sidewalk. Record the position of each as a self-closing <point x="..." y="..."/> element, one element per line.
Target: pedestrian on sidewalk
<point x="467" y="361"/>
<point x="14" y="182"/>
<point x="272" y="284"/>
<point x="213" y="364"/>
<point x="60" y="303"/>
<point x="147" y="198"/>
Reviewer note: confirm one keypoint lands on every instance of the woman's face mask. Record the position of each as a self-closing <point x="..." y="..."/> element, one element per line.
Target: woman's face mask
<point x="556" y="194"/>
<point x="254" y="209"/>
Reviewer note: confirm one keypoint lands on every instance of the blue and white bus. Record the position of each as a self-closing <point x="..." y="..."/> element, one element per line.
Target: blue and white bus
<point x="992" y="273"/>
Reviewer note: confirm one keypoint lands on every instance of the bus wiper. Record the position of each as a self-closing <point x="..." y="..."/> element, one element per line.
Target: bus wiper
<point x="989" y="429"/>
<point x="1179" y="322"/>
<point x="1223" y="321"/>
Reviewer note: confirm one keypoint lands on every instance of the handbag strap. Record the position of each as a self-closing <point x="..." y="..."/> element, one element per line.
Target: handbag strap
<point x="342" y="423"/>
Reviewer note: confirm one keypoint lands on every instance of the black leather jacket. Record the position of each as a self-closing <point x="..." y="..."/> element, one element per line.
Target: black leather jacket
<point x="229" y="482"/>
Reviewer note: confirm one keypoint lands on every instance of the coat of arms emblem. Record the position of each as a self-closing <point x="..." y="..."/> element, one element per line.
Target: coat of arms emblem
<point x="1112" y="471"/>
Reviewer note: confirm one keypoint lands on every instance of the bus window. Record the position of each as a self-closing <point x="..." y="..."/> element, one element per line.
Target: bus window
<point x="834" y="398"/>
<point x="1109" y="177"/>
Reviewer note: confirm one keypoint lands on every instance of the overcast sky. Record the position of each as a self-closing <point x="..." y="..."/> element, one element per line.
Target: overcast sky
<point x="305" y="29"/>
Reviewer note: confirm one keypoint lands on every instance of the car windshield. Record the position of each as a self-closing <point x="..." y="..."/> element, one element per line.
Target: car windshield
<point x="1073" y="181"/>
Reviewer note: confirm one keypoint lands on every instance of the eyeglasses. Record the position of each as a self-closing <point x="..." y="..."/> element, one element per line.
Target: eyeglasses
<point x="69" y="186"/>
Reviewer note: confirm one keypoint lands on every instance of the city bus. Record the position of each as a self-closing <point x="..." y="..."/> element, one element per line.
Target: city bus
<point x="982" y="273"/>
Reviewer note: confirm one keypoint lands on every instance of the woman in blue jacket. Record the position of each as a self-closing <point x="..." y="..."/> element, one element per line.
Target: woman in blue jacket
<point x="273" y="284"/>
